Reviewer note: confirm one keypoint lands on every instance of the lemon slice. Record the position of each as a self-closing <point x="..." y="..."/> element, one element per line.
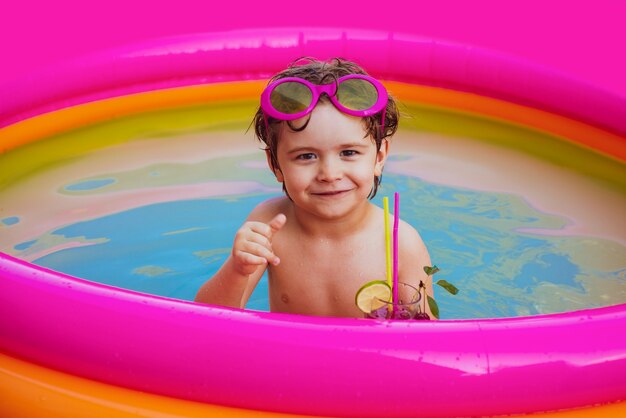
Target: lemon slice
<point x="371" y="295"/>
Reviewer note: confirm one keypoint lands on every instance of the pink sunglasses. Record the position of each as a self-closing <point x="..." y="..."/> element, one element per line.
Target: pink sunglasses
<point x="354" y="94"/>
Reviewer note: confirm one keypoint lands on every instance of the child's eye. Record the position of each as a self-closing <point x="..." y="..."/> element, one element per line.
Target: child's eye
<point x="306" y="156"/>
<point x="349" y="153"/>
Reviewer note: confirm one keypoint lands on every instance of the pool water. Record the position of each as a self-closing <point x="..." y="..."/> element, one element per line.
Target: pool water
<point x="151" y="203"/>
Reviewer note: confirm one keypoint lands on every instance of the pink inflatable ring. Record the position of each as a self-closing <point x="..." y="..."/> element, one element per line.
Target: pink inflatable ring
<point x="308" y="365"/>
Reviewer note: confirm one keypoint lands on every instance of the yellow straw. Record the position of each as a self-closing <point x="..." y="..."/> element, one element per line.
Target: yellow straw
<point x="387" y="240"/>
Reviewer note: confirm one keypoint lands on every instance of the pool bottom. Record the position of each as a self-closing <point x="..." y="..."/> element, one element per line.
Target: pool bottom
<point x="512" y="248"/>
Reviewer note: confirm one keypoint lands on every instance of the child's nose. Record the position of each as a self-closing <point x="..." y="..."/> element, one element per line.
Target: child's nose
<point x="329" y="170"/>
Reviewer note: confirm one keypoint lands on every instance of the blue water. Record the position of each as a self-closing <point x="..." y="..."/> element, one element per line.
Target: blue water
<point x="89" y="184"/>
<point x="171" y="248"/>
<point x="11" y="220"/>
<point x="479" y="239"/>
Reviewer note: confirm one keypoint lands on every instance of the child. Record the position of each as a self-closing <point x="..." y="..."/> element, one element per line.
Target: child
<point x="327" y="127"/>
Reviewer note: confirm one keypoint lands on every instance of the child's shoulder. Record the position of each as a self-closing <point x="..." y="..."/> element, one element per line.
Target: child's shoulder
<point x="409" y="237"/>
<point x="268" y="209"/>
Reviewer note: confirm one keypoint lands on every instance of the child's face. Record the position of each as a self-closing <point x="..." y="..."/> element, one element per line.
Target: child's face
<point x="328" y="168"/>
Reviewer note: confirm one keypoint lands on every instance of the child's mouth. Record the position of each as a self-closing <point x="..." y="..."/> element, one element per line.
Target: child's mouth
<point x="331" y="193"/>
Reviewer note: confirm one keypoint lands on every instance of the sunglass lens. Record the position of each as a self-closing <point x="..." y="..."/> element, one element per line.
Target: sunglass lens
<point x="291" y="97"/>
<point x="357" y="94"/>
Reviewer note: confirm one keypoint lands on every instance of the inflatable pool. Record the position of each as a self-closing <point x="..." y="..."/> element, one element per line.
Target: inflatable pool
<point x="71" y="347"/>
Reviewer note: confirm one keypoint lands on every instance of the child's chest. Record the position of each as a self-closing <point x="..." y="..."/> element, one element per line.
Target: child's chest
<point x="322" y="278"/>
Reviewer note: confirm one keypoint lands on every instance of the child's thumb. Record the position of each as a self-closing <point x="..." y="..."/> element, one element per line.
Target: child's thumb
<point x="278" y="222"/>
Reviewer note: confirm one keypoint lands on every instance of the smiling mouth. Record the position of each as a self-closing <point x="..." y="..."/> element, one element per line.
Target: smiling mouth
<point x="330" y="193"/>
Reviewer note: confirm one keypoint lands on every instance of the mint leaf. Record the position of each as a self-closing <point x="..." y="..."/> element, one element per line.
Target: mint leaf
<point x="431" y="270"/>
<point x="448" y="286"/>
<point x="434" y="308"/>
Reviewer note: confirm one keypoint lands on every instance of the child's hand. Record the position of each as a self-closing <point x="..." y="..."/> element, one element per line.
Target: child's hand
<point x="253" y="245"/>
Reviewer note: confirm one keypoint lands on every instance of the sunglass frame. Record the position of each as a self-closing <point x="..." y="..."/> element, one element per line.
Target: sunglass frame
<point x="330" y="90"/>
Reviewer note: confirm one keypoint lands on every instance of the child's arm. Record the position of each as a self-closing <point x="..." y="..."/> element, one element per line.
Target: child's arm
<point x="413" y="258"/>
<point x="252" y="250"/>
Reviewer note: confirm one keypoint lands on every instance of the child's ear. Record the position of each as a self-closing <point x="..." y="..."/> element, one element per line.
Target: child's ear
<point x="275" y="170"/>
<point x="381" y="157"/>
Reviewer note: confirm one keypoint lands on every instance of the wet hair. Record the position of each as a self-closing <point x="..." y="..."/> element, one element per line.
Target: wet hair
<point x="321" y="72"/>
